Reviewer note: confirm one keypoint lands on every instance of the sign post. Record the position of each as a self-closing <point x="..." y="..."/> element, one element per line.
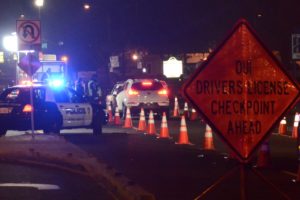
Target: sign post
<point x="29" y="40"/>
<point x="241" y="91"/>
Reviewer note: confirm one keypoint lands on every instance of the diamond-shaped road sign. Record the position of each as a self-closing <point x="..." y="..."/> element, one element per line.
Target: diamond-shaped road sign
<point x="242" y="91"/>
<point x="29" y="64"/>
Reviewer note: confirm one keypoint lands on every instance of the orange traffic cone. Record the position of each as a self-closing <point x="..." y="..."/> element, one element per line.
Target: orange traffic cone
<point x="183" y="134"/>
<point x="128" y="121"/>
<point x="208" y="139"/>
<point x="296" y="124"/>
<point x="164" y="130"/>
<point x="186" y="110"/>
<point x="282" y="127"/>
<point x="151" y="126"/>
<point x="264" y="158"/>
<point x="176" y="109"/>
<point x="110" y="115"/>
<point x="142" y="122"/>
<point x="117" y="117"/>
<point x="193" y="115"/>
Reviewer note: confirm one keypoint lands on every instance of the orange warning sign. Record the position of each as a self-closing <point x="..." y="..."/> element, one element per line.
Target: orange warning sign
<point x="241" y="91"/>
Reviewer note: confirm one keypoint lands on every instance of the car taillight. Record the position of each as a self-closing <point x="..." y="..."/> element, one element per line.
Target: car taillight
<point x="163" y="92"/>
<point x="146" y="83"/>
<point x="133" y="92"/>
<point x="27" y="108"/>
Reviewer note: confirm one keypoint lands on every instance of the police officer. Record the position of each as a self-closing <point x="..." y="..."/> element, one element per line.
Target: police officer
<point x="93" y="89"/>
<point x="46" y="76"/>
<point x="79" y="87"/>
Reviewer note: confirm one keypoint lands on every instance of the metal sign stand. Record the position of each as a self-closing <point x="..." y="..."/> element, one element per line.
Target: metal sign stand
<point x="243" y="169"/>
<point x="31" y="100"/>
<point x="241" y="59"/>
<point x="32" y="112"/>
<point x="297" y="180"/>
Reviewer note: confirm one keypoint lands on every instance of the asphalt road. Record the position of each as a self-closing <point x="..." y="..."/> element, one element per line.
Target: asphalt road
<point x="183" y="172"/>
<point x="24" y="182"/>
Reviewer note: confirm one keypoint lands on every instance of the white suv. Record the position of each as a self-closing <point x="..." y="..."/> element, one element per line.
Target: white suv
<point x="150" y="94"/>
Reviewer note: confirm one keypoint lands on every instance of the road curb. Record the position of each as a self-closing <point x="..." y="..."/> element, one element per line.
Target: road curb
<point x="55" y="151"/>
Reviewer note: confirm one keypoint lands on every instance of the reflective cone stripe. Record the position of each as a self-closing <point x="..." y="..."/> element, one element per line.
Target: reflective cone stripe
<point x="208" y="139"/>
<point x="282" y="127"/>
<point x="176" y="109"/>
<point x="164" y="131"/>
<point x="186" y="110"/>
<point x="110" y="115"/>
<point x="151" y="126"/>
<point x="296" y="124"/>
<point x="128" y="122"/>
<point x="264" y="158"/>
<point x="294" y="132"/>
<point x="142" y="122"/>
<point x="117" y="119"/>
<point x="193" y="115"/>
<point x="183" y="134"/>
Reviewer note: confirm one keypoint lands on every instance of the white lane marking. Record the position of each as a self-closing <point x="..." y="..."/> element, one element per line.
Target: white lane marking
<point x="32" y="185"/>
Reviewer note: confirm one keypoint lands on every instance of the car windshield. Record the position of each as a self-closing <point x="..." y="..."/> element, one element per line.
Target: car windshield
<point x="22" y="95"/>
<point x="147" y="85"/>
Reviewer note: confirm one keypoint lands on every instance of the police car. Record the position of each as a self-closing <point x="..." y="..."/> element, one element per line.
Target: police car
<point x="54" y="108"/>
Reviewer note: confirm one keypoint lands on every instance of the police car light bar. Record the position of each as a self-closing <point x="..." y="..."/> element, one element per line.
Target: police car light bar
<point x="56" y="83"/>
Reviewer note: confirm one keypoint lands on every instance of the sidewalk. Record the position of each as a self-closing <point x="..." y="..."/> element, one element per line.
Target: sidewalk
<point x="55" y="151"/>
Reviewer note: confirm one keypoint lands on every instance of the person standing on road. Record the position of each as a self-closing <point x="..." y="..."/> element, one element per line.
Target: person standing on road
<point x="94" y="91"/>
<point x="46" y="77"/>
<point x="79" y="87"/>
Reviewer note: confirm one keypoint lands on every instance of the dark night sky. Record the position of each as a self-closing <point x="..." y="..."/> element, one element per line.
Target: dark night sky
<point x="160" y="26"/>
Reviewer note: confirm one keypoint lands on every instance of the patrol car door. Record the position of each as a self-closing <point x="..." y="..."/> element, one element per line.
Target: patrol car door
<point x="71" y="112"/>
<point x="83" y="109"/>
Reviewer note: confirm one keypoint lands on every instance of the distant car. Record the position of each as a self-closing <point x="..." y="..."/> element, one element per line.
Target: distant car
<point x="54" y="108"/>
<point x="111" y="97"/>
<point x="150" y="94"/>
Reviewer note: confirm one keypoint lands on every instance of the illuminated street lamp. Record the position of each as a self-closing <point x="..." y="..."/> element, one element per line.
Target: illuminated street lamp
<point x="135" y="57"/>
<point x="86" y="7"/>
<point x="10" y="42"/>
<point x="64" y="59"/>
<point x="39" y="3"/>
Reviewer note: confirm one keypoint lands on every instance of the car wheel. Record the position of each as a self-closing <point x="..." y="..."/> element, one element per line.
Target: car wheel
<point x="3" y="131"/>
<point x="97" y="125"/>
<point x="53" y="127"/>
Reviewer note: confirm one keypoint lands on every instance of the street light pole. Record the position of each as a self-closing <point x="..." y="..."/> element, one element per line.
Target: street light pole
<point x="39" y="4"/>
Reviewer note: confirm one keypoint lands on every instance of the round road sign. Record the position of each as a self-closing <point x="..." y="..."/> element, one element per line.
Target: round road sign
<point x="28" y="31"/>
